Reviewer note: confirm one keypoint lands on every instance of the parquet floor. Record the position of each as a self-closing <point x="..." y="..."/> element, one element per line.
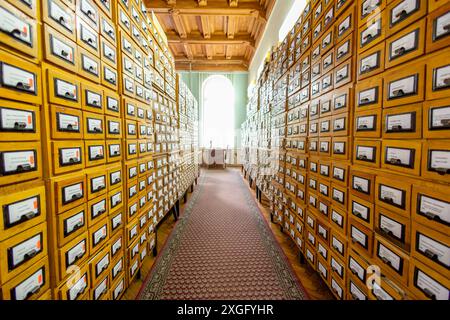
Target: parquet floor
<point x="311" y="281"/>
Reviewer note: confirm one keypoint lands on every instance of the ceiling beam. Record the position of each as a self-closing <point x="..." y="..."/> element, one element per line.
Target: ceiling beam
<point x="233" y="3"/>
<point x="210" y="67"/>
<point x="215" y="8"/>
<point x="179" y="24"/>
<point x="229" y="52"/>
<point x="188" y="51"/>
<point x="213" y="60"/>
<point x="209" y="51"/>
<point x="231" y="27"/>
<point x="205" y="26"/>
<point x="214" y="39"/>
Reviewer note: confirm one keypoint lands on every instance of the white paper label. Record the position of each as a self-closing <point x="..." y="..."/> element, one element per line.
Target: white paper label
<point x="402" y="87"/>
<point x="434" y="249"/>
<point x="356" y="268"/>
<point x="30" y="285"/>
<point x="89" y="37"/>
<point x="20" y="120"/>
<point x="114" y="150"/>
<point x="402" y="10"/>
<point x="435" y="207"/>
<point x="16" y="160"/>
<point x="116" y="199"/>
<point x="367" y="96"/>
<point x="356" y="293"/>
<point x="344" y="25"/>
<point x="110" y="75"/>
<point x="73" y="192"/>
<point x="398" y="156"/>
<point x="112" y="104"/>
<point x="98" y="208"/>
<point x="440" y="160"/>
<point x="76" y="253"/>
<point x="337" y="245"/>
<point x="337" y="218"/>
<point x="15" y="26"/>
<point x="399" y="122"/>
<point x="17" y="78"/>
<point x="113" y="127"/>
<point x="61" y="16"/>
<point x="365" y="153"/>
<point x="360" y="211"/>
<point x="78" y="288"/>
<point x="431" y="286"/>
<point x="66" y="90"/>
<point x="99" y="235"/>
<point x="441" y="77"/>
<point x="73" y="223"/>
<point x="389" y="256"/>
<point x="371" y="32"/>
<point x="117" y="268"/>
<point x="368" y="63"/>
<point x="102" y="264"/>
<point x="441" y="25"/>
<point x="61" y="49"/>
<point x="25" y="208"/>
<point x="101" y="288"/>
<point x="404" y="44"/>
<point x="116" y="246"/>
<point x="393" y="227"/>
<point x="359" y="236"/>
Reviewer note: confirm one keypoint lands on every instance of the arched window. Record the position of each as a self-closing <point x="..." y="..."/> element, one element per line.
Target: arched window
<point x="218" y="112"/>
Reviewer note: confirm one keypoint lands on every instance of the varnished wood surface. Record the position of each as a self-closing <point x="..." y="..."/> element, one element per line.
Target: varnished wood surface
<point x="311" y="281"/>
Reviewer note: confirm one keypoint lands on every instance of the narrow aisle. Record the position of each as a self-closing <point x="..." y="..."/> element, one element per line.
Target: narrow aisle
<point x="221" y="249"/>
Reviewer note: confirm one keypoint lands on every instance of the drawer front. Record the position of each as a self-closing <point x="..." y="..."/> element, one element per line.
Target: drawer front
<point x="368" y="124"/>
<point x="338" y="244"/>
<point x="74" y="253"/>
<point x="114" y="152"/>
<point x="437" y="30"/>
<point x="71" y="224"/>
<point x="355" y="291"/>
<point x="402" y="14"/>
<point x="362" y="185"/>
<point x="20" y="161"/>
<point x="341" y="125"/>
<point x="426" y="283"/>
<point x="115" y="199"/>
<point x="372" y="33"/>
<point x="344" y="49"/>
<point x="340" y="148"/>
<point x="23" y="250"/>
<point x="66" y="123"/>
<point x="100" y="265"/>
<point x="339" y="196"/>
<point x="131" y="149"/>
<point x="338" y="290"/>
<point x="438" y="76"/>
<point x="369" y="94"/>
<point x="362" y="211"/>
<point x="94" y="126"/>
<point x="345" y="24"/>
<point x="403" y="122"/>
<point x="118" y="288"/>
<point x="18" y="31"/>
<point x="60" y="50"/>
<point x="436" y="160"/>
<point x="337" y="268"/>
<point x="19" y="121"/>
<point x="67" y="156"/>
<point x="114" y="177"/>
<point x="367" y="9"/>
<point x="342" y="100"/>
<point x="367" y="153"/>
<point x="436" y="119"/>
<point x="100" y="290"/>
<point x="116" y="221"/>
<point x="97" y="209"/>
<point x="406" y="45"/>
<point x="340" y="173"/>
<point x="108" y="29"/>
<point x="21" y="210"/>
<point x="30" y="284"/>
<point x="89" y="12"/>
<point x="89" y="65"/>
<point x="391" y="259"/>
<point x="109" y="77"/>
<point x="108" y="53"/>
<point x="95" y="152"/>
<point x="360" y="237"/>
<point x="311" y="256"/>
<point x="338" y="217"/>
<point x="371" y="62"/>
<point x="63" y="88"/>
<point x="56" y="14"/>
<point x="20" y="80"/>
<point x="394" y="227"/>
<point x="76" y="286"/>
<point x="112" y="103"/>
<point x="98" y="235"/>
<point x="327" y="63"/>
<point x="431" y="207"/>
<point x="393" y="195"/>
<point x="402" y="157"/>
<point x="87" y="37"/>
<point x="70" y="193"/>
<point x="113" y="128"/>
<point x="404" y="85"/>
<point x="357" y="267"/>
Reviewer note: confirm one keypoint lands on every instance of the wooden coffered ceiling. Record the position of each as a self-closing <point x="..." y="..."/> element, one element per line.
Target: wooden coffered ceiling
<point x="212" y="35"/>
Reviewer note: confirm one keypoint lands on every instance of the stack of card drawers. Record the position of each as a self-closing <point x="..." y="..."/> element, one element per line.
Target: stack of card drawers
<point x="367" y="159"/>
<point x="24" y="267"/>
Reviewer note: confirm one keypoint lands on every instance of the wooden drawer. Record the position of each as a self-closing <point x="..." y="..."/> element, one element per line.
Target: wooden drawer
<point x="339" y="196"/>
<point x="71" y="224"/>
<point x="116" y="221"/>
<point x="337" y="288"/>
<point x="367" y="153"/>
<point x="20" y="80"/>
<point x="338" y="244"/>
<point x="323" y="230"/>
<point x="114" y="177"/>
<point x="100" y="291"/>
<point x="342" y="100"/>
<point x="63" y="88"/>
<point x="22" y="208"/>
<point x="371" y="61"/>
<point x="401" y="14"/>
<point x="316" y="71"/>
<point x="113" y="151"/>
<point x="393" y="195"/>
<point x="116" y="245"/>
<point x="402" y="157"/>
<point x="112" y="105"/>
<point x="97" y="209"/>
<point x="325" y="105"/>
<point x="89" y="65"/>
<point x="403" y="122"/>
<point x="133" y="250"/>
<point x="25" y="40"/>
<point x="131" y="232"/>
<point x="324" y="126"/>
<point x="87" y="37"/>
<point x="360" y="236"/>
<point x="430" y="247"/>
<point x="391" y="259"/>
<point x="369" y="94"/>
<point x="406" y="45"/>
<point x="368" y="124"/>
<point x="88" y="10"/>
<point x="98" y="235"/>
<point x="99" y="265"/>
<point x="322" y="250"/>
<point x="337" y="268"/>
<point x="66" y="123"/>
<point x="109" y="77"/>
<point x="327" y="82"/>
<point x="115" y="199"/>
<point x="317" y="31"/>
<point x="387" y="290"/>
<point x="344" y="49"/>
<point x="19" y="121"/>
<point x="315" y="90"/>
<point x="438" y="76"/>
<point x="118" y="288"/>
<point x="437" y="30"/>
<point x="372" y="32"/>
<point x="315" y="53"/>
<point x="20" y="161"/>
<point x="343" y="74"/>
<point x="29" y="285"/>
<point x="70" y="192"/>
<point x="368" y="9"/>
<point x="327" y="63"/>
<point x="313" y="146"/>
<point x="328" y="17"/>
<point x="67" y="156"/>
<point x="317" y="12"/>
<point x="108" y="29"/>
<point x="426" y="283"/>
<point x="124" y="20"/>
<point x="72" y="254"/>
<point x="311" y="221"/>
<point x="60" y="50"/>
<point x="21" y="251"/>
<point x="436" y="118"/>
<point x="113" y="128"/>
<point x="117" y="267"/>
<point x="324" y="169"/>
<point x="76" y="286"/>
<point x="323" y="269"/>
<point x="341" y="148"/>
<point x="94" y="126"/>
<point x="131" y="129"/>
<point x="362" y="211"/>
<point x="341" y="125"/>
<point x="338" y="219"/>
<point x="430" y="206"/>
<point x="131" y="149"/>
<point x="340" y="172"/>
<point x="393" y="227"/>
<point x="357" y="267"/>
<point x="363" y="185"/>
<point x="311" y="256"/>
<point x="404" y="84"/>
<point x="436" y="160"/>
<point x="92" y="98"/>
<point x="345" y="24"/>
<point x="108" y="52"/>
<point x="56" y="14"/>
<point x="313" y="130"/>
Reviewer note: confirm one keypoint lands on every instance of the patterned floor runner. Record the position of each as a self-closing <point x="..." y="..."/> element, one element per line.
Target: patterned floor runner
<point x="221" y="248"/>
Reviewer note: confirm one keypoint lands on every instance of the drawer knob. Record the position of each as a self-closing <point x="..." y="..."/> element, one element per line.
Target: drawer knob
<point x="431" y="216"/>
<point x="398" y="93"/>
<point x="395" y="161"/>
<point x="316" y="33"/>
<point x="442" y="171"/>
<point x="19" y="125"/>
<point x="30" y="254"/>
<point x="365" y="100"/>
<point x="429" y="294"/>
<point x="400" y="51"/>
<point x="22" y="86"/>
<point x="69" y="94"/>
<point x="327" y="19"/>
<point x="90" y="14"/>
<point x="362" y="157"/>
<point x="34" y="290"/>
<point x="64" y="53"/>
<point x="325" y="44"/>
<point x="401" y="15"/>
<point x="386" y="231"/>
<point x="386" y="261"/>
<point x="77" y="196"/>
<point x="23" y="167"/>
<point x="362" y="126"/>
<point x="78" y="226"/>
<point x="366" y="68"/>
<point x="354" y="296"/>
<point x="430" y="254"/>
<point x="342" y="29"/>
<point x="340" y="54"/>
<point x="28" y="216"/>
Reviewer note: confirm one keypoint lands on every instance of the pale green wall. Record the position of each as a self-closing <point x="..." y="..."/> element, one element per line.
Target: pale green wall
<point x="194" y="80"/>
